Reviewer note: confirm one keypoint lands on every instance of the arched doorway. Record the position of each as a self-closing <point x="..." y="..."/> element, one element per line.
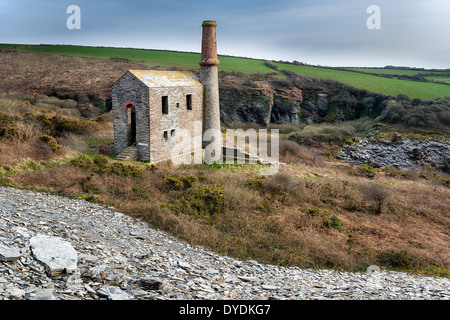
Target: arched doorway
<point x="131" y="122"/>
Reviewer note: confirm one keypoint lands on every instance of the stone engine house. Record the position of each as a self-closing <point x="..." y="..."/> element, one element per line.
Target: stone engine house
<point x="151" y="107"/>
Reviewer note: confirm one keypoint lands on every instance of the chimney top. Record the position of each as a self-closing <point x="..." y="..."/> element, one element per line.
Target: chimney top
<point x="209" y="23"/>
<point x="209" y="45"/>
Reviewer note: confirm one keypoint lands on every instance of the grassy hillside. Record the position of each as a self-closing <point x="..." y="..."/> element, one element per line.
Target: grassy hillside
<point x="399" y="71"/>
<point x="188" y="61"/>
<point x="161" y="58"/>
<point x="387" y="86"/>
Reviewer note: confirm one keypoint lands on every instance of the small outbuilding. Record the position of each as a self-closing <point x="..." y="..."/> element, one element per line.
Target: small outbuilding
<point x="150" y="108"/>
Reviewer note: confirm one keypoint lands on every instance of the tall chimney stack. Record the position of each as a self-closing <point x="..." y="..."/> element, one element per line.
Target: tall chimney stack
<point x="210" y="80"/>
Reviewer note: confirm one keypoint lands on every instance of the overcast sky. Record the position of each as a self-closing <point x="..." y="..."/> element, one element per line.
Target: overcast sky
<point x="319" y="32"/>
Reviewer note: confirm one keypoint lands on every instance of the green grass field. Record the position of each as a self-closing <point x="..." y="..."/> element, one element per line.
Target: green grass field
<point x="188" y="61"/>
<point x="443" y="79"/>
<point x="390" y="71"/>
<point x="393" y="87"/>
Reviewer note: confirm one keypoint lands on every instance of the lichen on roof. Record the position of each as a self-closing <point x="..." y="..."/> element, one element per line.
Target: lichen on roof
<point x="156" y="78"/>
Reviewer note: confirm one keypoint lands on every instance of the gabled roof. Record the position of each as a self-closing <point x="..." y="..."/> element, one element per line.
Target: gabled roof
<point x="155" y="78"/>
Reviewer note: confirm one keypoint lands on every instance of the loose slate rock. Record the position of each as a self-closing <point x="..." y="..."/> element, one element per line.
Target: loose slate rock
<point x="150" y="284"/>
<point x="55" y="253"/>
<point x="162" y="267"/>
<point x="372" y="269"/>
<point x="113" y="293"/>
<point x="8" y="253"/>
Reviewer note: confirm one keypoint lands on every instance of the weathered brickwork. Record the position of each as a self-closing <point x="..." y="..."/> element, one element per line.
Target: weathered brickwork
<point x="156" y="133"/>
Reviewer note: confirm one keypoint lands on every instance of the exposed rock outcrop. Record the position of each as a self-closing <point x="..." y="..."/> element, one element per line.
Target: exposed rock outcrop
<point x="403" y="152"/>
<point x="295" y="100"/>
<point x="262" y="104"/>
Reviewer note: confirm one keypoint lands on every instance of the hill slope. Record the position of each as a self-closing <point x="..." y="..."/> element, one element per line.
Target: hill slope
<point x="184" y="60"/>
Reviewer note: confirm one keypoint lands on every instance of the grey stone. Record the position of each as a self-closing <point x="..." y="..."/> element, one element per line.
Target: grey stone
<point x="44" y="294"/>
<point x="150" y="284"/>
<point x="15" y="293"/>
<point x="9" y="253"/>
<point x="55" y="253"/>
<point x="270" y="287"/>
<point x="113" y="293"/>
<point x="372" y="269"/>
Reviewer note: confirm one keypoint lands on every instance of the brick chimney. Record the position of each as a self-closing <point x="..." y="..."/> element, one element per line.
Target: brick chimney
<point x="210" y="80"/>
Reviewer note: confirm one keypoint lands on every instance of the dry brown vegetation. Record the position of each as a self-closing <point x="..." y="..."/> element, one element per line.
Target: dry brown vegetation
<point x="34" y="73"/>
<point x="312" y="213"/>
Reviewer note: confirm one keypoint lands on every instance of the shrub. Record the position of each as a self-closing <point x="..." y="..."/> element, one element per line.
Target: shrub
<point x="151" y="167"/>
<point x="180" y="182"/>
<point x="203" y="202"/>
<point x="129" y="170"/>
<point x="332" y="222"/>
<point x="312" y="211"/>
<point x="82" y="161"/>
<point x="101" y="164"/>
<point x="376" y="192"/>
<point x="446" y="166"/>
<point x="59" y="125"/>
<point x="254" y="183"/>
<point x="281" y="183"/>
<point x="392" y="171"/>
<point x="289" y="147"/>
<point x="400" y="259"/>
<point x="75" y="142"/>
<point x="366" y="171"/>
<point x="51" y="142"/>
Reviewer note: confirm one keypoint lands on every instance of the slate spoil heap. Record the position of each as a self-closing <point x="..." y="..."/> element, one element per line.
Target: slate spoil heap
<point x="55" y="248"/>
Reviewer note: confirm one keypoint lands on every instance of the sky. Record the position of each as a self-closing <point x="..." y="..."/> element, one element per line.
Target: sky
<point x="413" y="33"/>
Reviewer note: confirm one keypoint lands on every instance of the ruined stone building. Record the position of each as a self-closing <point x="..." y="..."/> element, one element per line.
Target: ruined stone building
<point x="150" y="108"/>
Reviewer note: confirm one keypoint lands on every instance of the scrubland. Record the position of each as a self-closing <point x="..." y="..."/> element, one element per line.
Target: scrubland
<point x="316" y="212"/>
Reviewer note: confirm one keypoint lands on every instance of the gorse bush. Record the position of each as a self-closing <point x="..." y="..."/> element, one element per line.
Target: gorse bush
<point x="203" y="202"/>
<point x="180" y="182"/>
<point x="101" y="166"/>
<point x="51" y="142"/>
<point x="254" y="183"/>
<point x="82" y="161"/>
<point x="366" y="171"/>
<point x="58" y="125"/>
<point x="126" y="170"/>
<point x="101" y="163"/>
<point x="332" y="222"/>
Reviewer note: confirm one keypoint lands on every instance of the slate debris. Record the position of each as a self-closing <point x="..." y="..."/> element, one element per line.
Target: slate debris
<point x="110" y="256"/>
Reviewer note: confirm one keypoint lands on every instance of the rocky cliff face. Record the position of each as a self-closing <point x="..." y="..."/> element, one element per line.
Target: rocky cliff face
<point x="295" y="100"/>
<point x="403" y="152"/>
<point x="262" y="104"/>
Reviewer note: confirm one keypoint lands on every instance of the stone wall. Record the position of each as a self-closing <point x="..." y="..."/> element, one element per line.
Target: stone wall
<point x="180" y="119"/>
<point x="131" y="89"/>
<point x="151" y="123"/>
